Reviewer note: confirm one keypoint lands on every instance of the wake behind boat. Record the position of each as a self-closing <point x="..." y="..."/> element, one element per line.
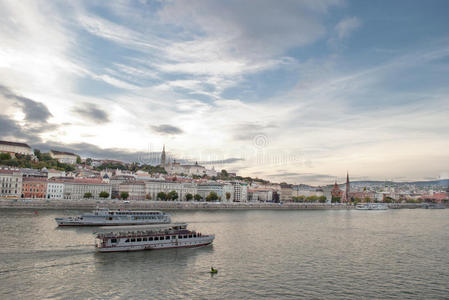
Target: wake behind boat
<point x="150" y="238"/>
<point x="372" y="206"/>
<point x="106" y="217"/>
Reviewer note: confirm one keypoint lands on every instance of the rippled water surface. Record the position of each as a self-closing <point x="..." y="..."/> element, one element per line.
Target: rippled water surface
<point x="259" y="254"/>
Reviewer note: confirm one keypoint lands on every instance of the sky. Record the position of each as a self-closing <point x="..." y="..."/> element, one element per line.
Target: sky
<point x="295" y="91"/>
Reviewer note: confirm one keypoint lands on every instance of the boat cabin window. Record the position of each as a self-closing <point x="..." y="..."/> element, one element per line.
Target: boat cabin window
<point x="173" y="237"/>
<point x="127" y="241"/>
<point x="190" y="236"/>
<point x="139" y="239"/>
<point x="150" y="238"/>
<point x="144" y="239"/>
<point x="133" y="240"/>
<point x="185" y="236"/>
<point x="194" y="235"/>
<point x="179" y="236"/>
<point x="156" y="238"/>
<point x="113" y="240"/>
<point x="167" y="237"/>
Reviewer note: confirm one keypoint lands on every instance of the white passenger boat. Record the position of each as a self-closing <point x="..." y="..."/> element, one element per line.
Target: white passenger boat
<point x="106" y="217"/>
<point x="150" y="237"/>
<point x="372" y="206"/>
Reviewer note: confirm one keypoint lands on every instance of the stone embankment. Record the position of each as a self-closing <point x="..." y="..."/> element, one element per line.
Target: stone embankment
<point x="173" y="205"/>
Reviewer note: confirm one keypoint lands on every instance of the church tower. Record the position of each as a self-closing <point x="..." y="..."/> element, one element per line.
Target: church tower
<point x="163" y="157"/>
<point x="347" y="198"/>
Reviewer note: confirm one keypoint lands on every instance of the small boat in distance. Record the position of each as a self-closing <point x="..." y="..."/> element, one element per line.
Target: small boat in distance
<point x="106" y="217"/>
<point x="372" y="206"/>
<point x="149" y="237"/>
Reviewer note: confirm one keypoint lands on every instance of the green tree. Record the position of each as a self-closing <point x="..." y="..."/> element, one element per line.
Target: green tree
<point x="78" y="159"/>
<point x="197" y="197"/>
<point x="228" y="194"/>
<point x="224" y="174"/>
<point x="87" y="195"/>
<point x="5" y="156"/>
<point x="322" y="199"/>
<point x="161" y="196"/>
<point x="212" y="196"/>
<point x="148" y="196"/>
<point x="89" y="161"/>
<point x="104" y="194"/>
<point x="312" y="198"/>
<point x="124" y="195"/>
<point x="173" y="195"/>
<point x="37" y="153"/>
<point x="336" y="199"/>
<point x="189" y="197"/>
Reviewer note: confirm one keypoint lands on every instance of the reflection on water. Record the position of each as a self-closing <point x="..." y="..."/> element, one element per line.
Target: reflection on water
<point x="259" y="254"/>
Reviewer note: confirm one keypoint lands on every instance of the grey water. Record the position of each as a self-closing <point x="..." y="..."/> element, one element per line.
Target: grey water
<point x="275" y="254"/>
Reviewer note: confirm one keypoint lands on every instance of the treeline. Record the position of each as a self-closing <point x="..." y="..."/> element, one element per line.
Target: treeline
<point x="44" y="160"/>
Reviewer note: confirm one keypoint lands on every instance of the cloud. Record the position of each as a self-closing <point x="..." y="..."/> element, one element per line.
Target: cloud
<point x="34" y="111"/>
<point x="346" y="26"/>
<point x="92" y="112"/>
<point x="166" y="129"/>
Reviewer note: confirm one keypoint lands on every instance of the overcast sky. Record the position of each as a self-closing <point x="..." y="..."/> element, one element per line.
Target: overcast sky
<point x="301" y="91"/>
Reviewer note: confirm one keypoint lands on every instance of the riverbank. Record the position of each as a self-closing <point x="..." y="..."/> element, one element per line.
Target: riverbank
<point x="173" y="205"/>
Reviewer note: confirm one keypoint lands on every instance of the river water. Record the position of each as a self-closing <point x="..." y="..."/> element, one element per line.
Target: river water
<point x="273" y="254"/>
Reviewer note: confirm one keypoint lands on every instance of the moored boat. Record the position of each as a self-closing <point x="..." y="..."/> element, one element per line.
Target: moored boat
<point x="106" y="217"/>
<point x="150" y="237"/>
<point x="372" y="206"/>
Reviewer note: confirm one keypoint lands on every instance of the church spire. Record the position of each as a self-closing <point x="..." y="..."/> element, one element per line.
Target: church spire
<point x="163" y="157"/>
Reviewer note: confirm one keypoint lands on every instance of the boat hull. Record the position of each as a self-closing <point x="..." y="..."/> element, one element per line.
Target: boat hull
<point x="112" y="223"/>
<point x="153" y="247"/>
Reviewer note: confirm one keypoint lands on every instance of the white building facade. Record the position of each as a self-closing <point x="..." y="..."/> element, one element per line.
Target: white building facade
<point x="10" y="183"/>
<point x="55" y="190"/>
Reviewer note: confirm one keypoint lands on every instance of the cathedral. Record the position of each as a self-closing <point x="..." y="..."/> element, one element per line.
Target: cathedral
<point x="174" y="167"/>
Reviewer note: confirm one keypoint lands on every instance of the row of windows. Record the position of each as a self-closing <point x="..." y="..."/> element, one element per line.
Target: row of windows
<point x="156" y="238"/>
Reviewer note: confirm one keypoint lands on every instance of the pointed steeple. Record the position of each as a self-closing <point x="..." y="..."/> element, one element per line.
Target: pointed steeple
<point x="163" y="157"/>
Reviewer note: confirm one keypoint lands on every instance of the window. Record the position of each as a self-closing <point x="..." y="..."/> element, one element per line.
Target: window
<point x="133" y="240"/>
<point x="180" y="237"/>
<point x="150" y="238"/>
<point x="190" y="236"/>
<point x="139" y="239"/>
<point x="145" y="239"/>
<point x="194" y="235"/>
<point x="156" y="238"/>
<point x="173" y="237"/>
<point x="167" y="237"/>
<point x="127" y="241"/>
<point x="113" y="241"/>
<point x="185" y="236"/>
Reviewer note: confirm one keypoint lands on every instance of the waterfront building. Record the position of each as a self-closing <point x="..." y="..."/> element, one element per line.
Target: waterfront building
<point x="153" y="187"/>
<point x="205" y="188"/>
<point x="286" y="193"/>
<point x="134" y="188"/>
<point x="240" y="191"/>
<point x="76" y="189"/>
<point x="336" y="191"/>
<point x="55" y="189"/>
<point x="34" y="187"/>
<point x="260" y="194"/>
<point x="63" y="157"/>
<point x="115" y="182"/>
<point x="10" y="183"/>
<point x="228" y="189"/>
<point x="13" y="148"/>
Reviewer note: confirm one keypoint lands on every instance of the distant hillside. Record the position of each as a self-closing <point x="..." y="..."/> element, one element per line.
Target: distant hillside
<point x="442" y="182"/>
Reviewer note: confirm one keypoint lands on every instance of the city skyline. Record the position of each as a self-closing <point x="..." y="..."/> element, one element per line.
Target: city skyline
<point x="293" y="91"/>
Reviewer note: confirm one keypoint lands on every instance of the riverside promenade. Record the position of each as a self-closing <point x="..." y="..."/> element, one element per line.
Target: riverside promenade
<point x="174" y="205"/>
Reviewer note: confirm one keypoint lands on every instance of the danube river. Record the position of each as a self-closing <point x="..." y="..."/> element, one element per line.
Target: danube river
<point x="273" y="254"/>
